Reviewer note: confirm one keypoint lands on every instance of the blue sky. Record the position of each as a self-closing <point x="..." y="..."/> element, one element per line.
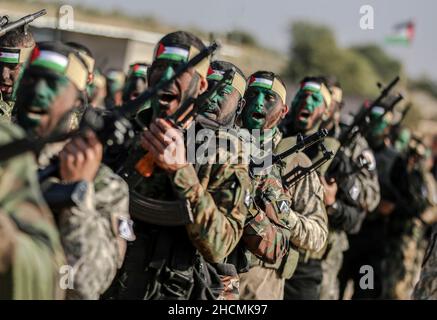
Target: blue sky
<point x="269" y="21"/>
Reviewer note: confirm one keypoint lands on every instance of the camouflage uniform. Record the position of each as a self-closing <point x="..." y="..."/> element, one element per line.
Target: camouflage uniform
<point x="297" y="219"/>
<point x="173" y="261"/>
<point x="30" y="249"/>
<point x="355" y="198"/>
<point x="389" y="243"/>
<point x="6" y="109"/>
<point x="93" y="232"/>
<point x="407" y="237"/>
<point x="426" y="288"/>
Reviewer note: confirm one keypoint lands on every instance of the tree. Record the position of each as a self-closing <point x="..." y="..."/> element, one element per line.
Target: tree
<point x="314" y="51"/>
<point x="386" y="66"/>
<point x="241" y="37"/>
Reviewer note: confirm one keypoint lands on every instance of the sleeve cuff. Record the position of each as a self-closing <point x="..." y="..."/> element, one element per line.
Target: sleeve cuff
<point x="185" y="181"/>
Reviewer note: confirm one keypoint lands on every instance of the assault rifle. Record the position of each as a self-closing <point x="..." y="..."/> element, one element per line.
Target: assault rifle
<point x="299" y="172"/>
<point x="361" y="124"/>
<point x="5" y="26"/>
<point x="302" y="143"/>
<point x="111" y="130"/>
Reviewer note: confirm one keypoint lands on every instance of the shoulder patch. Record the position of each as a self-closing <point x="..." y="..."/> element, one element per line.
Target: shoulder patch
<point x="125" y="228"/>
<point x="247" y="198"/>
<point x="354" y="191"/>
<point x="368" y="156"/>
<point x="283" y="206"/>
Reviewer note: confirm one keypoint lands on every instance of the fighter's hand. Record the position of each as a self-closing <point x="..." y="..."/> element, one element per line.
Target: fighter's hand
<point x="330" y="191"/>
<point x="166" y="144"/>
<point x="80" y="159"/>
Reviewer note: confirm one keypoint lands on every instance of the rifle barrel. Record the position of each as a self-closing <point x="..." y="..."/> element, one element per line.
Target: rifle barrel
<point x="21" y="22"/>
<point x="130" y="108"/>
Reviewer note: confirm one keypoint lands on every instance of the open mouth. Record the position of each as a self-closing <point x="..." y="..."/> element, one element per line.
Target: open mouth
<point x="35" y="113"/>
<point x="166" y="97"/>
<point x="134" y="95"/>
<point x="5" y="88"/>
<point x="304" y="115"/>
<point x="258" y="115"/>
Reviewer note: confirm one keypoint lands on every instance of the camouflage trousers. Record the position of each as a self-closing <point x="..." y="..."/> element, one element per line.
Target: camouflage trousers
<point x="331" y="265"/>
<point x="401" y="267"/>
<point x="261" y="283"/>
<point x="426" y="288"/>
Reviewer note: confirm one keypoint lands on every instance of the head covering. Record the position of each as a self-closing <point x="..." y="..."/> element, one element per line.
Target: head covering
<point x="181" y="46"/>
<point x="317" y="87"/>
<point x="268" y="80"/>
<point x="218" y="69"/>
<point x="61" y="59"/>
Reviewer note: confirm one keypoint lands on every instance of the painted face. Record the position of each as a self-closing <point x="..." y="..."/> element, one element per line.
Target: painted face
<point x="379" y="129"/>
<point x="262" y="110"/>
<point x="308" y="108"/>
<point x="134" y="86"/>
<point x="222" y="106"/>
<point x="42" y="100"/>
<point x="9" y="76"/>
<point x="169" y="99"/>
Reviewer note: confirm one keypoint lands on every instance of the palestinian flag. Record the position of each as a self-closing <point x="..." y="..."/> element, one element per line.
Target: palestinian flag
<point x="139" y="70"/>
<point x="9" y="56"/>
<point x="215" y="74"/>
<point x="403" y="34"/>
<point x="172" y="53"/>
<point x="260" y="82"/>
<point x="50" y="60"/>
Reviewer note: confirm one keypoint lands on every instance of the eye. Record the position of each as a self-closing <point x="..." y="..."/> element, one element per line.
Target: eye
<point x="251" y="94"/>
<point x="270" y="97"/>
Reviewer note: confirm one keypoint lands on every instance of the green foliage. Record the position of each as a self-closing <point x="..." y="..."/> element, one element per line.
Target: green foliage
<point x="386" y="66"/>
<point x="424" y="84"/>
<point x="314" y="51"/>
<point x="241" y="37"/>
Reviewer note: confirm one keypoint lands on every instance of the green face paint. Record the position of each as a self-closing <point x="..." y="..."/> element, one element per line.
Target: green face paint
<point x="215" y="105"/>
<point x="166" y="75"/>
<point x="305" y="103"/>
<point x="401" y="144"/>
<point x="259" y="104"/>
<point x="36" y="95"/>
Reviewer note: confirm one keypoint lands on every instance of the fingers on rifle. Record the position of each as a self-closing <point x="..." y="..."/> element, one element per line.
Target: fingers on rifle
<point x="150" y="143"/>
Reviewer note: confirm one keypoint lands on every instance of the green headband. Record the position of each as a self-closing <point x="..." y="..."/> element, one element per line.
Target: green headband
<point x="181" y="54"/>
<point x="318" y="88"/>
<point x="275" y="85"/>
<point x="69" y="66"/>
<point x="237" y="82"/>
<point x="14" y="55"/>
<point x="138" y="70"/>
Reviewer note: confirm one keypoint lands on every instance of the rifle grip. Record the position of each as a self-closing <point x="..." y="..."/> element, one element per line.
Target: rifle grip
<point x="145" y="165"/>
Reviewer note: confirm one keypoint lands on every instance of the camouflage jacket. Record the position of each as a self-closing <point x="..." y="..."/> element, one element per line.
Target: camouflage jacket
<point x="218" y="195"/>
<point x="31" y="254"/>
<point x="426" y="288"/>
<point x="6" y="109"/>
<point x="360" y="192"/>
<point x="267" y="234"/>
<point x="94" y="231"/>
<point x="308" y="221"/>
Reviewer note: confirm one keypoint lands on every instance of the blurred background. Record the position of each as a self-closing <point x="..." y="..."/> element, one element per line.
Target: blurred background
<point x="293" y="38"/>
